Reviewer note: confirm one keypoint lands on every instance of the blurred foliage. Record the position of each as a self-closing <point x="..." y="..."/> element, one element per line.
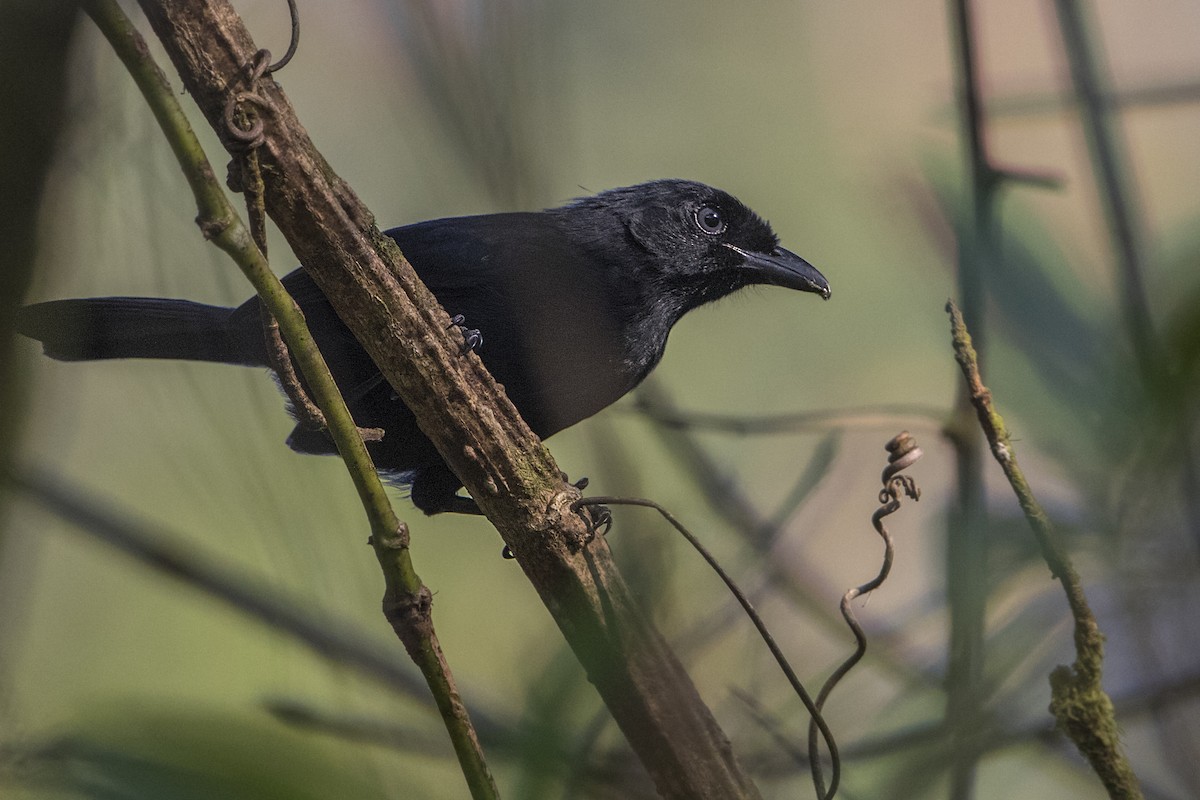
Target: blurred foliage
<point x="826" y="118"/>
<point x="136" y="750"/>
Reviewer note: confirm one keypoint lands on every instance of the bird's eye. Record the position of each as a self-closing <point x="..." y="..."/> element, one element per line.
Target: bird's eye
<point x="710" y="220"/>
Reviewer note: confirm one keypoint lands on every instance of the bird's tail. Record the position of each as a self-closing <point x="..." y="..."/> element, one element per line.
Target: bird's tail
<point x="132" y="327"/>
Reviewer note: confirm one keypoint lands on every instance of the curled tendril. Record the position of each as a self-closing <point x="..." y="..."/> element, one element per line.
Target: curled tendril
<point x="248" y="137"/>
<point x="292" y="44"/>
<point x="247" y="132"/>
<point x="902" y="454"/>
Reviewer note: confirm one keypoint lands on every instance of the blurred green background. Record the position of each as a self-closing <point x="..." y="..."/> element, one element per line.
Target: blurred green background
<point x="838" y="122"/>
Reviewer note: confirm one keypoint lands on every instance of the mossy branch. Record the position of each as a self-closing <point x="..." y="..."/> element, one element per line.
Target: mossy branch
<point x="1078" y="702"/>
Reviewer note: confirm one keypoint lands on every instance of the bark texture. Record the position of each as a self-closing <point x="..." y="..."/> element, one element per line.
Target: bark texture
<point x="463" y="411"/>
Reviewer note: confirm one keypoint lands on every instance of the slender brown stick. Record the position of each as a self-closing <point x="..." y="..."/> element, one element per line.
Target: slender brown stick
<point x="1079" y="704"/>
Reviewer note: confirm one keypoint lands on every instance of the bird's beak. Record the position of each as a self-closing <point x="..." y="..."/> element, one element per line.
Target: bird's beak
<point x="784" y="268"/>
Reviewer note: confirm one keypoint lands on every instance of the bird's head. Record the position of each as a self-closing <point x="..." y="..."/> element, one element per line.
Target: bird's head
<point x="702" y="241"/>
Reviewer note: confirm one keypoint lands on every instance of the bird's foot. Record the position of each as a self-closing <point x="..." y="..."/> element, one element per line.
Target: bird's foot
<point x="472" y="337"/>
<point x="596" y="517"/>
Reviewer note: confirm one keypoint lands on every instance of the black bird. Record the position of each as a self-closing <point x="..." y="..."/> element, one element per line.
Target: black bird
<point x="574" y="305"/>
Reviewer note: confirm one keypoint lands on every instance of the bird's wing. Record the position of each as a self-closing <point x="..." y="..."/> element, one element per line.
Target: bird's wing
<point x="540" y="301"/>
<point x="480" y="267"/>
<point x="544" y="303"/>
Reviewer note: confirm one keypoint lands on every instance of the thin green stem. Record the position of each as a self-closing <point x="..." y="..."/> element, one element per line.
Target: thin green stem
<point x="221" y="224"/>
<point x="406" y="600"/>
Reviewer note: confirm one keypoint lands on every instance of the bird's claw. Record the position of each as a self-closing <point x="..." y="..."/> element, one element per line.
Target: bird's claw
<point x="597" y="517"/>
<point x="594" y="515"/>
<point x="472" y="337"/>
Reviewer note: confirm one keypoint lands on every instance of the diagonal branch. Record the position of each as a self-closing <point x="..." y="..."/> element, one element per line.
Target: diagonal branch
<point x="461" y="409"/>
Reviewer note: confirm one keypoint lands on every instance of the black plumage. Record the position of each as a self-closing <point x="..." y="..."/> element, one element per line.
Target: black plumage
<point x="574" y="305"/>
